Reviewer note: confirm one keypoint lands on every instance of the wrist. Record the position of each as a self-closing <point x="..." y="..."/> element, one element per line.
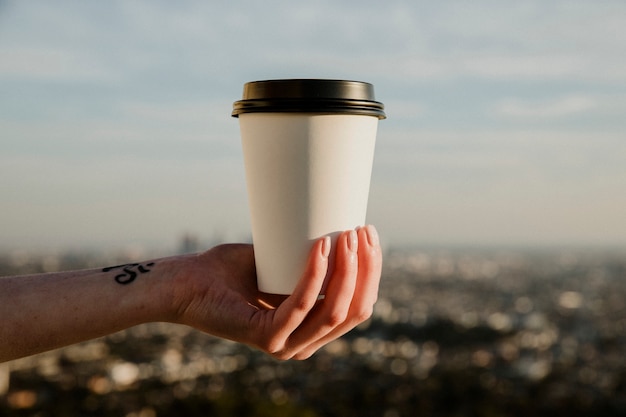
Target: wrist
<point x="160" y="294"/>
<point x="176" y="286"/>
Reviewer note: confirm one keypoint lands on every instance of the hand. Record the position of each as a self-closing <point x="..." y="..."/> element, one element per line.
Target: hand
<point x="217" y="293"/>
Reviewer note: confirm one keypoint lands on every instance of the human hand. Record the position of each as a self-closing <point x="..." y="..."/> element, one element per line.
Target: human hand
<point x="216" y="292"/>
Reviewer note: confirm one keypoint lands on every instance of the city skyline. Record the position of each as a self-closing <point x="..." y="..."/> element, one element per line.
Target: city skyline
<point x="505" y="121"/>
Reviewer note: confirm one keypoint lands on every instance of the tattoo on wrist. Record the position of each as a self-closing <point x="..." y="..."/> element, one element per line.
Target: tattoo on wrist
<point x="130" y="271"/>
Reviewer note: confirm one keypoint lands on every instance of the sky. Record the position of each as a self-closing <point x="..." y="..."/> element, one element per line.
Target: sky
<point x="505" y="119"/>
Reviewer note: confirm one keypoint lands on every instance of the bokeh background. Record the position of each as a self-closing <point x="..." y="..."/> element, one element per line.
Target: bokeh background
<point x="498" y="189"/>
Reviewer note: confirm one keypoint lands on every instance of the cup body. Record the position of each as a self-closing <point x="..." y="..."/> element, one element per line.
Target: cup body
<point x="308" y="149"/>
<point x="308" y="175"/>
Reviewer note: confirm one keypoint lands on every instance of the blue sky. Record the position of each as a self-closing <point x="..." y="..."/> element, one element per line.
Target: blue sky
<point x="506" y="119"/>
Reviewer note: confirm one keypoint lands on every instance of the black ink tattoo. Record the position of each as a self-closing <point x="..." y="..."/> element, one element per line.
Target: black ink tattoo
<point x="130" y="271"/>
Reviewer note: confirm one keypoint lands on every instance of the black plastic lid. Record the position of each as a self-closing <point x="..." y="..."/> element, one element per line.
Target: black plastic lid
<point x="309" y="96"/>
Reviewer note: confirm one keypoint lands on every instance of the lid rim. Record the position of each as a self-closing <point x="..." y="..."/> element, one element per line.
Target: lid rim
<point x="309" y="95"/>
<point x="356" y="112"/>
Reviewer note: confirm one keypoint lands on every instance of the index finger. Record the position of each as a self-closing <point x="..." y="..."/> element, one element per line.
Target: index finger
<point x="292" y="312"/>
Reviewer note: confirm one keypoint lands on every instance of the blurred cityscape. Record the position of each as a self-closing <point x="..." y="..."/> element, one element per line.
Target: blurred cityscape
<point x="463" y="332"/>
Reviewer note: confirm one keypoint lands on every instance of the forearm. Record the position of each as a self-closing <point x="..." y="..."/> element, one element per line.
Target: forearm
<point x="214" y="291"/>
<point x="43" y="312"/>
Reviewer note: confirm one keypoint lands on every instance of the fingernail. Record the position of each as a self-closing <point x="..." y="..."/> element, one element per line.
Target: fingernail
<point x="372" y="235"/>
<point x="353" y="241"/>
<point x="326" y="246"/>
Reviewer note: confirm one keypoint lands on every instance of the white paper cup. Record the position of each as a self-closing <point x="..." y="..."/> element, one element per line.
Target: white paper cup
<point x="308" y="160"/>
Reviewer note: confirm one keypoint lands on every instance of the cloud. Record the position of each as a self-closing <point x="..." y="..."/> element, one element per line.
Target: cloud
<point x="52" y="63"/>
<point x="409" y="42"/>
<point x="504" y="65"/>
<point x="555" y="108"/>
<point x="403" y="109"/>
<point x="483" y="159"/>
<point x="185" y="114"/>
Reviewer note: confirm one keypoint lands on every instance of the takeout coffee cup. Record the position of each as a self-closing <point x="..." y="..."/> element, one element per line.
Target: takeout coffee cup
<point x="308" y="147"/>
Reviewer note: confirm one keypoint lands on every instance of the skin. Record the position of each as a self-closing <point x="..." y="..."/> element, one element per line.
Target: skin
<point x="214" y="291"/>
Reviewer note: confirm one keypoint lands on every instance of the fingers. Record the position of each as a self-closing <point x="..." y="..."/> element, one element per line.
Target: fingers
<point x="365" y="292"/>
<point x="303" y="325"/>
<point x="333" y="310"/>
<point x="292" y="312"/>
<point x="370" y="268"/>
